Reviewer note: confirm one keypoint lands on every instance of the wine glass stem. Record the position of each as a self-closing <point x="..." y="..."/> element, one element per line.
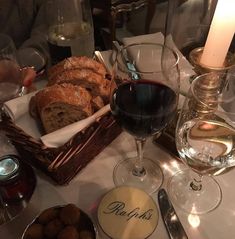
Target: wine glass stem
<point x="196" y="184"/>
<point x="139" y="169"/>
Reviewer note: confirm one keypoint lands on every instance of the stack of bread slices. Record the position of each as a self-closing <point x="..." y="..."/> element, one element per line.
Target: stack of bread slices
<point x="77" y="87"/>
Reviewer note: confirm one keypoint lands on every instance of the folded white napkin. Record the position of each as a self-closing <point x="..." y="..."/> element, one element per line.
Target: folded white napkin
<point x="17" y="107"/>
<point x="18" y="111"/>
<point x="61" y="136"/>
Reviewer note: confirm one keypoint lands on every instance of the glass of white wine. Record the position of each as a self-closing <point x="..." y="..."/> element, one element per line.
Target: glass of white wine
<point x="70" y="29"/>
<point x="205" y="140"/>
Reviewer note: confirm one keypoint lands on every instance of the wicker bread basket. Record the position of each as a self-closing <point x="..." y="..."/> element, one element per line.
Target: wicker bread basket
<point x="63" y="163"/>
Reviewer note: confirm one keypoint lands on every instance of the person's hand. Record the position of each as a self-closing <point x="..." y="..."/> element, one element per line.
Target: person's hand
<point x="11" y="72"/>
<point x="28" y="76"/>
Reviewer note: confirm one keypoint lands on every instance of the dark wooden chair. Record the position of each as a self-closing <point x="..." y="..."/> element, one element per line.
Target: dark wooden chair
<point x="111" y="11"/>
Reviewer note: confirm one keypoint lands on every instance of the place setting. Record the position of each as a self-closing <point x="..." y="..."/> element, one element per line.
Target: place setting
<point x="135" y="142"/>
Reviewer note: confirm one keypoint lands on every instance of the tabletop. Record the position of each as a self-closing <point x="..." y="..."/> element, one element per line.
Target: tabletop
<point x="86" y="189"/>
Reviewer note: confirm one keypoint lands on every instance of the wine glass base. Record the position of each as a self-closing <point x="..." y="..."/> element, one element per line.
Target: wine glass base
<point x="150" y="182"/>
<point x="193" y="201"/>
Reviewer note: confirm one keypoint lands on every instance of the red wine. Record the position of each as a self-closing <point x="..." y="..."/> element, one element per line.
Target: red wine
<point x="58" y="53"/>
<point x="143" y="108"/>
<point x="70" y="39"/>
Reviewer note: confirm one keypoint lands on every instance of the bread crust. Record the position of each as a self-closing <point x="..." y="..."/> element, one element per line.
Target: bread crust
<point x="67" y="93"/>
<point x="96" y="84"/>
<point x="77" y="62"/>
<point x="97" y="103"/>
<point x="63" y="104"/>
<point x="77" y="87"/>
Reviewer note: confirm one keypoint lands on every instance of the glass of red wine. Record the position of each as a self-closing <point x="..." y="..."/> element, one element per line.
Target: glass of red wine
<point x="144" y="97"/>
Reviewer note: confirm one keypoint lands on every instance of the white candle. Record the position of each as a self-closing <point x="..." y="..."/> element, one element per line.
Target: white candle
<point x="220" y="35"/>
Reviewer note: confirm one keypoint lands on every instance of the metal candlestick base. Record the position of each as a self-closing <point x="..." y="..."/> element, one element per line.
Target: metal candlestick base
<point x="195" y="57"/>
<point x="207" y="92"/>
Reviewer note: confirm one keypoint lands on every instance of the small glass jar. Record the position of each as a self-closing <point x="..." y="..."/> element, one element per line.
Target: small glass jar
<point x="15" y="183"/>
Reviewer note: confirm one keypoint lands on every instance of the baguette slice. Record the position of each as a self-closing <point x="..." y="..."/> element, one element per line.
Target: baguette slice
<point x="77" y="62"/>
<point x="61" y="105"/>
<point x="97" y="103"/>
<point x="93" y="82"/>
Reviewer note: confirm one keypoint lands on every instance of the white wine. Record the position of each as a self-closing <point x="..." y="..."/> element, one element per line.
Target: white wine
<point x="207" y="145"/>
<point x="70" y="39"/>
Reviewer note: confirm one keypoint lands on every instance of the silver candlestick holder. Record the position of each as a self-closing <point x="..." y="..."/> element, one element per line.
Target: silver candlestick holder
<point x="207" y="92"/>
<point x="195" y="57"/>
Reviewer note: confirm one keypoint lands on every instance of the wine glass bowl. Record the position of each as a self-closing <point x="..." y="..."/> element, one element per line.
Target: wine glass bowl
<point x="205" y="140"/>
<point x="10" y="80"/>
<point x="10" y="72"/>
<point x="144" y="97"/>
<point x="10" y="84"/>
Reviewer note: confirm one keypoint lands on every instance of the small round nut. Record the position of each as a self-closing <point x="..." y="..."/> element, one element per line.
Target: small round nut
<point x="48" y="215"/>
<point x="68" y="232"/>
<point x="35" y="231"/>
<point x="85" y="235"/>
<point x="70" y="214"/>
<point x="52" y="228"/>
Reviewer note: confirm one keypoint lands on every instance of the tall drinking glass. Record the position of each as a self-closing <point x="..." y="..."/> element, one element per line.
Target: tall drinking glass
<point x="144" y="97"/>
<point x="205" y="139"/>
<point x="70" y="29"/>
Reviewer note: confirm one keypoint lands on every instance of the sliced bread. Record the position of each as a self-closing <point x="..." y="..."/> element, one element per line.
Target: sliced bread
<point x="61" y="105"/>
<point x="77" y="62"/>
<point x="82" y="71"/>
<point x="86" y="78"/>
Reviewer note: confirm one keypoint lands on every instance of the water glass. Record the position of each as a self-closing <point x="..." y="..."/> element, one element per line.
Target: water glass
<point x="10" y="72"/>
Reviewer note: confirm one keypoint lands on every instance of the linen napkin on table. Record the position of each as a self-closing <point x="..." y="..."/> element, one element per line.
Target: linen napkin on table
<point x="147" y="38"/>
<point x="61" y="136"/>
<point x="18" y="111"/>
<point x="18" y="106"/>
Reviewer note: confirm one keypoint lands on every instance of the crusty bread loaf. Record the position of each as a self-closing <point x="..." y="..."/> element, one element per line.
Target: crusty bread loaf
<point x="61" y="105"/>
<point x="77" y="87"/>
<point x="97" y="103"/>
<point x="82" y="71"/>
<point x="96" y="84"/>
<point x="77" y="62"/>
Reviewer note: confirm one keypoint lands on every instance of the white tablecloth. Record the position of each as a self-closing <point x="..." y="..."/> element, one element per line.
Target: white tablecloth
<point x="92" y="182"/>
